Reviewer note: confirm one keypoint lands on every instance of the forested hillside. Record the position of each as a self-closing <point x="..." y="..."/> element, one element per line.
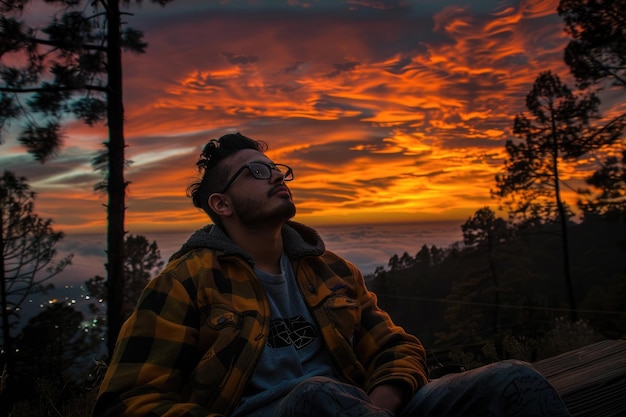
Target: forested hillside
<point x="464" y="298"/>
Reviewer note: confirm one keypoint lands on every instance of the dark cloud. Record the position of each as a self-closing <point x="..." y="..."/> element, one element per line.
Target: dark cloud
<point x="343" y="67"/>
<point x="71" y="167"/>
<point x="296" y="66"/>
<point x="380" y="4"/>
<point x="202" y="82"/>
<point x="333" y="154"/>
<point x="401" y="66"/>
<point x="322" y="194"/>
<point x="84" y="245"/>
<point x="282" y="88"/>
<point x="236" y="59"/>
<point x="466" y="142"/>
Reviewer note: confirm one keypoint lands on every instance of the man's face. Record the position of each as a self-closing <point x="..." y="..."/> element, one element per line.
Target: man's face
<point x="257" y="201"/>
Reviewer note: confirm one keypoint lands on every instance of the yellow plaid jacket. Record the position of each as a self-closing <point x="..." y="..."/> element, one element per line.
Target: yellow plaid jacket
<point x="200" y="325"/>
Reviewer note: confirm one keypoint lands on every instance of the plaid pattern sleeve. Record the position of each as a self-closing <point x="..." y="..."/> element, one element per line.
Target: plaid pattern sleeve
<point x="372" y="350"/>
<point x="157" y="349"/>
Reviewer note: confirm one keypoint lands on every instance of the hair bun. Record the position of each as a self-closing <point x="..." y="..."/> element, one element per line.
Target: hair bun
<point x="208" y="154"/>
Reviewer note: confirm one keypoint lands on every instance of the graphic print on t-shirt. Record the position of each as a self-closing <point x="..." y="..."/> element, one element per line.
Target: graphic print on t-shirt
<point x="296" y="332"/>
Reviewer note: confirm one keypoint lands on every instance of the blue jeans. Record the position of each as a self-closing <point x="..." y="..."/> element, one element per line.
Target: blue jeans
<point x="506" y="388"/>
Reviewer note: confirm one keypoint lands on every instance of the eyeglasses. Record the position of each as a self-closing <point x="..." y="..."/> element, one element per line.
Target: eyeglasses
<point x="261" y="171"/>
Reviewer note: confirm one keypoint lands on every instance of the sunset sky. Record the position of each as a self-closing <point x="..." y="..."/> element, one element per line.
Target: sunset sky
<point x="388" y="110"/>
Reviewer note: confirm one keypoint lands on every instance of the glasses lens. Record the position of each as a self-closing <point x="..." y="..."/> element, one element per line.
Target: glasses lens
<point x="287" y="172"/>
<point x="260" y="171"/>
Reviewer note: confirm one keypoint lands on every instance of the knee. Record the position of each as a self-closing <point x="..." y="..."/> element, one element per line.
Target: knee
<point x="506" y="371"/>
<point x="509" y="364"/>
<point x="513" y="366"/>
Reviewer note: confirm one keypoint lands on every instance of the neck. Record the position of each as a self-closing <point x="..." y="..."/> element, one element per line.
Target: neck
<point x="265" y="245"/>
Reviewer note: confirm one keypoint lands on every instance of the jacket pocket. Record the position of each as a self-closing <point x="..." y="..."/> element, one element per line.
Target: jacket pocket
<point x="345" y="315"/>
<point x="221" y="324"/>
<point x="219" y="332"/>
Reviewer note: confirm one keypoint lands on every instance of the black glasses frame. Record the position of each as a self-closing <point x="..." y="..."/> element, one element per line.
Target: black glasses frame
<point x="287" y="175"/>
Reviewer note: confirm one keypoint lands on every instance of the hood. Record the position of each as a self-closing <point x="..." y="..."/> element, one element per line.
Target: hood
<point x="299" y="241"/>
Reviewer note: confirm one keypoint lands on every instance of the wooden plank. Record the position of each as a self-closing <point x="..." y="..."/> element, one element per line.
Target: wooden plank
<point x="591" y="380"/>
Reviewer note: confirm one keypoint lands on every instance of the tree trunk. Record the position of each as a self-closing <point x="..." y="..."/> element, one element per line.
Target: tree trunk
<point x="6" y="329"/>
<point x="573" y="310"/>
<point x="116" y="184"/>
<point x="496" y="286"/>
<point x="566" y="267"/>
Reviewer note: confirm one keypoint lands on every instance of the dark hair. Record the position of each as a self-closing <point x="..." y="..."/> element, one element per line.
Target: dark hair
<point x="214" y="173"/>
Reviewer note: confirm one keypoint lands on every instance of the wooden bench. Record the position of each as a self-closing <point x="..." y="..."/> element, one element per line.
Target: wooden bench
<point x="591" y="380"/>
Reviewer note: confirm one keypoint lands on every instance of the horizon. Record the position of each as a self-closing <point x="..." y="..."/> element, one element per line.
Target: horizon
<point x="366" y="245"/>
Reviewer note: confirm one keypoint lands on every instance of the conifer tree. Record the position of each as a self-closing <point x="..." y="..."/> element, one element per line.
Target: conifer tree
<point x="27" y="261"/>
<point x="596" y="56"/>
<point x="483" y="233"/>
<point x="142" y="262"/>
<point x="558" y="129"/>
<point x="72" y="67"/>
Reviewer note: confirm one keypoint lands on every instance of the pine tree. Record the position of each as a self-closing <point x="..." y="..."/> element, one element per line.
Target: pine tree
<point x="27" y="246"/>
<point x="596" y="56"/>
<point x="557" y="130"/>
<point x="73" y="66"/>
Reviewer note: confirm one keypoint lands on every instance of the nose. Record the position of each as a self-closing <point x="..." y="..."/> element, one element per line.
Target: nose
<point x="277" y="176"/>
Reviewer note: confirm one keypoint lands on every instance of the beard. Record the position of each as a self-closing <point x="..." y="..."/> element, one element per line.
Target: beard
<point x="251" y="214"/>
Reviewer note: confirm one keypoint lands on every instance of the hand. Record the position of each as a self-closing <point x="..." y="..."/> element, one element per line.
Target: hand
<point x="388" y="397"/>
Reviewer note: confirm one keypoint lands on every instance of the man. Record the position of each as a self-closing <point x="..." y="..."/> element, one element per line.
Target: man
<point x="253" y="317"/>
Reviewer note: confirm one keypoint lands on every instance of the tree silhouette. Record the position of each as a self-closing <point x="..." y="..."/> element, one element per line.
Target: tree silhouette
<point x="55" y="341"/>
<point x="54" y="351"/>
<point x="142" y="261"/>
<point x="598" y="30"/>
<point x="557" y="130"/>
<point x="27" y="246"/>
<point x="596" y="57"/>
<point x="611" y="181"/>
<point x="74" y="68"/>
<point x="423" y="258"/>
<point x="483" y="233"/>
<point x="394" y="263"/>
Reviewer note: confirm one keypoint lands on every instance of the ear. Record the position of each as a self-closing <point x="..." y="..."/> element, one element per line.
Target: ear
<point x="220" y="204"/>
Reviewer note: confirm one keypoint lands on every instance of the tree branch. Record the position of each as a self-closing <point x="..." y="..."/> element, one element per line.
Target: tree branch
<point x="102" y="89"/>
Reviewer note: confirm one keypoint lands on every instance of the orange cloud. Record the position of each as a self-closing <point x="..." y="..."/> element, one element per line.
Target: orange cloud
<point x="384" y="115"/>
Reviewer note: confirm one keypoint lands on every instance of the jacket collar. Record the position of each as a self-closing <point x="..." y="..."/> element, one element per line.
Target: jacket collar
<point x="299" y="241"/>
